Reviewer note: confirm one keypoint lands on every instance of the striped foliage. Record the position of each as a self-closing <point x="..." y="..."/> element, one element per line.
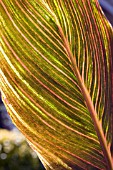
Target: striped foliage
<point x="56" y="79"/>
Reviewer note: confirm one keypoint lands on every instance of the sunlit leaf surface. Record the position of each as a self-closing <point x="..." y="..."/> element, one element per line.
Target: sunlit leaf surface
<point x="46" y="45"/>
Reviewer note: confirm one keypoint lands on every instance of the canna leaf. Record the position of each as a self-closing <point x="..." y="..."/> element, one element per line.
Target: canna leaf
<point x="56" y="72"/>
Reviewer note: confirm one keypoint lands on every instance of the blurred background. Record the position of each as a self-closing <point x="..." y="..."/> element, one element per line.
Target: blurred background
<point x="107" y="6"/>
<point x="15" y="153"/>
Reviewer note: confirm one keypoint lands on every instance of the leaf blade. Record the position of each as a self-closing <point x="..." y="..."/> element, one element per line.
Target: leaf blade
<point x="48" y="78"/>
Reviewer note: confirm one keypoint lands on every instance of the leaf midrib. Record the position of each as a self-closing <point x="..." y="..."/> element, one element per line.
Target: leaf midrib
<point x="89" y="103"/>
